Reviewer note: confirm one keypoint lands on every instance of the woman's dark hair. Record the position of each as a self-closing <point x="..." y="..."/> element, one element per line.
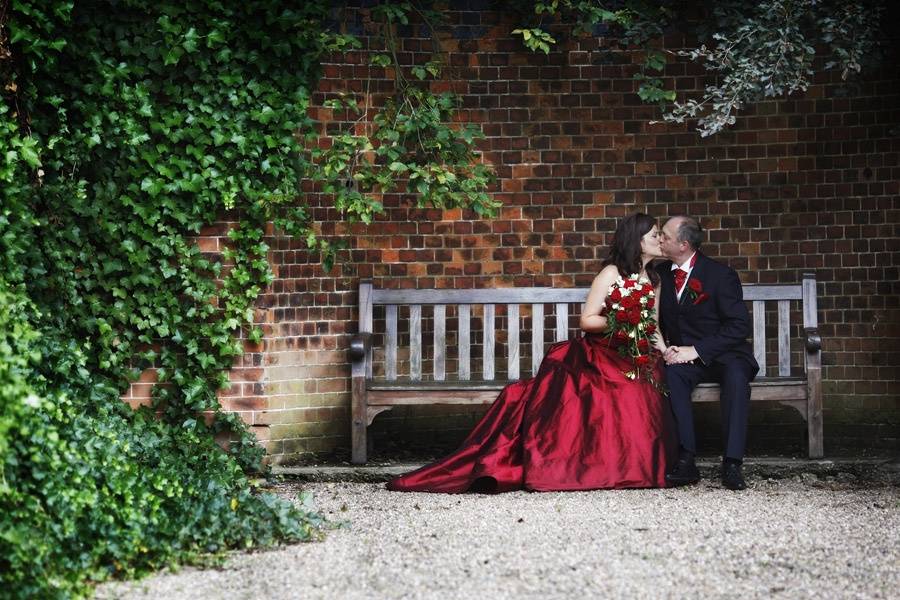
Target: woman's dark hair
<point x="625" y="251"/>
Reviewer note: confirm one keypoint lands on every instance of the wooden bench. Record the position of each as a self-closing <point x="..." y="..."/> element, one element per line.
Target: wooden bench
<point x="377" y="355"/>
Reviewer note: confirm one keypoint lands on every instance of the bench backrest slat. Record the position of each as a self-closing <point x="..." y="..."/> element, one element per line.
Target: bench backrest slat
<point x="487" y="348"/>
<point x="562" y="322"/>
<point x="440" y="342"/>
<point x="415" y="342"/>
<point x="390" y="350"/>
<point x="366" y="300"/>
<point x="512" y="358"/>
<point x="537" y="337"/>
<point x="759" y="335"/>
<point x="465" y="366"/>
<point x="784" y="338"/>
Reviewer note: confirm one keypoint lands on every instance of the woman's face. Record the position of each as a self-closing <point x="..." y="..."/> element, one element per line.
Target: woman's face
<point x="650" y="243"/>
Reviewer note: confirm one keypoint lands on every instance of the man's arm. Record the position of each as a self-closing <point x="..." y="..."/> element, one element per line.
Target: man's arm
<point x="735" y="320"/>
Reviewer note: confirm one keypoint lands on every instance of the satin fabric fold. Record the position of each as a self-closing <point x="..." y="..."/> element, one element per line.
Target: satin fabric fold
<point x="579" y="424"/>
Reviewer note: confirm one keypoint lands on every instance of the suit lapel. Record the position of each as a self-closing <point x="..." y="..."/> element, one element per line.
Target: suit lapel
<point x="695" y="273"/>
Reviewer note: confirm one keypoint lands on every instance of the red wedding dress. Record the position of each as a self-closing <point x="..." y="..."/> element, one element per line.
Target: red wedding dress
<point x="579" y="424"/>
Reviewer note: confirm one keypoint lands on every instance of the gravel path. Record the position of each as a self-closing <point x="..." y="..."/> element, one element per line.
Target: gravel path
<point x="794" y="538"/>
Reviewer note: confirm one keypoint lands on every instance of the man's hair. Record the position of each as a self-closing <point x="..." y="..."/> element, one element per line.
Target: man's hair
<point x="689" y="231"/>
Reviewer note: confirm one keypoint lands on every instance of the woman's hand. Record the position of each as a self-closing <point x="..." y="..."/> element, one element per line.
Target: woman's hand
<point x="658" y="344"/>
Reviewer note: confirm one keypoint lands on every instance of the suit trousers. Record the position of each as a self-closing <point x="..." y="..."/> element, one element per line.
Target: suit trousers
<point x="734" y="378"/>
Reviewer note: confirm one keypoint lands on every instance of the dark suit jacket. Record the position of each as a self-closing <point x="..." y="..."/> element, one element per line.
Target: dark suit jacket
<point x="717" y="327"/>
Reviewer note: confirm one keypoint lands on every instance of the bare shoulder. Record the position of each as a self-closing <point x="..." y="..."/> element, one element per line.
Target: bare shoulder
<point x="607" y="274"/>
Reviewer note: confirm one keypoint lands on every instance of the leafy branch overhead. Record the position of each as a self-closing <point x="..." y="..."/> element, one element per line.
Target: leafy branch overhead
<point x="755" y="50"/>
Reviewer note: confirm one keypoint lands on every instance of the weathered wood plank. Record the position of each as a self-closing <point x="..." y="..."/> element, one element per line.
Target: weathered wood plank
<point x="487" y="348"/>
<point x="390" y="341"/>
<point x="415" y="397"/>
<point x="481" y="296"/>
<point x="562" y="321"/>
<point x="512" y="339"/>
<point x="358" y="420"/>
<point x="428" y="393"/>
<point x="475" y="384"/>
<point x="380" y="385"/>
<point x="537" y="337"/>
<point x="813" y="364"/>
<point x="759" y="335"/>
<point x="781" y="391"/>
<point x="366" y="294"/>
<point x="465" y="362"/>
<point x="546" y="295"/>
<point x="772" y="292"/>
<point x="814" y="421"/>
<point x="440" y="342"/>
<point x="784" y="338"/>
<point x="415" y="342"/>
<point x="810" y="309"/>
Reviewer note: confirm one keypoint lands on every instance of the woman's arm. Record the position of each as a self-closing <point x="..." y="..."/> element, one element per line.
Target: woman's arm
<point x="591" y="320"/>
<point x="657" y="338"/>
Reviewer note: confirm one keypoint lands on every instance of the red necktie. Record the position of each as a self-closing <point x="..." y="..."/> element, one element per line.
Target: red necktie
<point x="680" y="276"/>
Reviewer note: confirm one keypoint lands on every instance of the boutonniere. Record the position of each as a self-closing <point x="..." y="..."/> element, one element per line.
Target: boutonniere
<point x="695" y="291"/>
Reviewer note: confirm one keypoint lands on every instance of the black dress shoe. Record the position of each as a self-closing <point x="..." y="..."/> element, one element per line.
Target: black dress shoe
<point x="732" y="477"/>
<point x="683" y="473"/>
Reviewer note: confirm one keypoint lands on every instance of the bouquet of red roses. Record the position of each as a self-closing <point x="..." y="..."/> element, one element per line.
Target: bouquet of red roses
<point x="631" y="324"/>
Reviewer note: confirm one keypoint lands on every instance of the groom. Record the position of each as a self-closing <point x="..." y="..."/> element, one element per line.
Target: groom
<point x="705" y="323"/>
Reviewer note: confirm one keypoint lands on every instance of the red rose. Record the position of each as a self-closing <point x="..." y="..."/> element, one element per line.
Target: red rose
<point x="642" y="361"/>
<point x="701" y="298"/>
<point x="634" y="318"/>
<point x="616" y="295"/>
<point x="630" y="283"/>
<point x="621" y="316"/>
<point x="695" y="285"/>
<point x="651" y="329"/>
<point x="628" y="301"/>
<point x="650" y="302"/>
<point x="643" y="344"/>
<point x="648" y="287"/>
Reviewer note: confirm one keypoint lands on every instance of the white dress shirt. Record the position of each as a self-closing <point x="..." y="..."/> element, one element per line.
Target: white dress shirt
<point x="687" y="267"/>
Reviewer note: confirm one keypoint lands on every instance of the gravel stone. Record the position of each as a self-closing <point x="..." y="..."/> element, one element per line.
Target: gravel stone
<point x="795" y="537"/>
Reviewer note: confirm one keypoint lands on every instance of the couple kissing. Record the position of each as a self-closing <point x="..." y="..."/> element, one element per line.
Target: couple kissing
<point x="595" y="416"/>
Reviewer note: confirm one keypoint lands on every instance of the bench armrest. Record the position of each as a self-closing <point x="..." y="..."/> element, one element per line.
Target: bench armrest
<point x="813" y="339"/>
<point x="360" y="345"/>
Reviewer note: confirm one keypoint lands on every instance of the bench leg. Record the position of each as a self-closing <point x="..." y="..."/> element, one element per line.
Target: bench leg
<point x="358" y="421"/>
<point x="814" y="419"/>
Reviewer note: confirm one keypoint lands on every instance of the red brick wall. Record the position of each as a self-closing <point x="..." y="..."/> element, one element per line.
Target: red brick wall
<point x="804" y="184"/>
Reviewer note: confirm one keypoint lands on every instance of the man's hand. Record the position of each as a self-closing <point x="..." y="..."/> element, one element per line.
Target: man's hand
<point x="676" y="355"/>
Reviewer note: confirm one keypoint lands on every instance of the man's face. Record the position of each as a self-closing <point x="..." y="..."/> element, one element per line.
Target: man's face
<point x="668" y="240"/>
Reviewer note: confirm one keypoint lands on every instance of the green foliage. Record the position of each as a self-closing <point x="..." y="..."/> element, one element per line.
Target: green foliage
<point x="756" y="50"/>
<point x="408" y="144"/>
<point x="768" y="49"/>
<point x="126" y="128"/>
<point x="536" y="39"/>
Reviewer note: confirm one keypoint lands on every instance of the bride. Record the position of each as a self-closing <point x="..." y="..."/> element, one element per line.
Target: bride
<point x="580" y="423"/>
